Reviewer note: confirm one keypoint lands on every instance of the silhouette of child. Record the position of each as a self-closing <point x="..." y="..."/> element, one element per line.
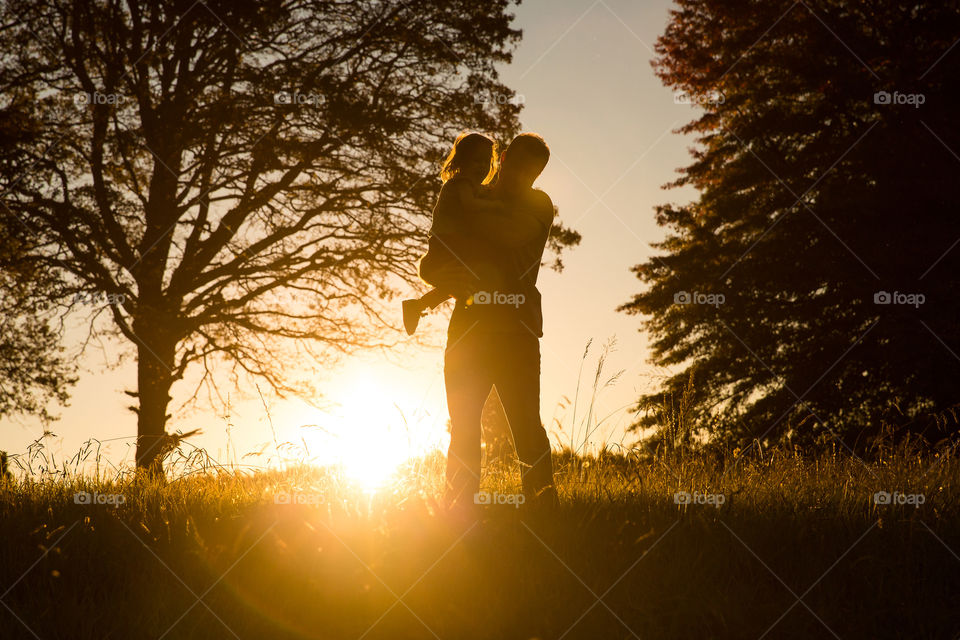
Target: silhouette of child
<point x="456" y="262"/>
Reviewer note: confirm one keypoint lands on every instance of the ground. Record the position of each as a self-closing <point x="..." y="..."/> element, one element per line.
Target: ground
<point x="768" y="545"/>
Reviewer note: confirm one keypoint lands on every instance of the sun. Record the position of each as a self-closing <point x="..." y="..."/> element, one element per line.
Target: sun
<point x="368" y="436"/>
<point x="378" y="418"/>
<point x="374" y="466"/>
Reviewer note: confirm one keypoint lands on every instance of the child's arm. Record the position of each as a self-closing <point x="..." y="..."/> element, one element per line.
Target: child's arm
<point x="469" y="201"/>
<point x="459" y="201"/>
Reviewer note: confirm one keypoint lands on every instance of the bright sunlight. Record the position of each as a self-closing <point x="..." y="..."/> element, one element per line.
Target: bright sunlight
<point x="370" y="432"/>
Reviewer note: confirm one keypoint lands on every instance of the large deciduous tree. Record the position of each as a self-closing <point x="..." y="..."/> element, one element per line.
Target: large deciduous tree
<point x="814" y="280"/>
<point x="35" y="371"/>
<point x="219" y="175"/>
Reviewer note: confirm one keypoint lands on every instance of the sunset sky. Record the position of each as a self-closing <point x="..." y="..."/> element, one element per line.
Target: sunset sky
<point x="610" y="157"/>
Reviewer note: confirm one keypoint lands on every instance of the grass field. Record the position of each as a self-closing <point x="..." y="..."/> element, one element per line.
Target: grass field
<point x="769" y="544"/>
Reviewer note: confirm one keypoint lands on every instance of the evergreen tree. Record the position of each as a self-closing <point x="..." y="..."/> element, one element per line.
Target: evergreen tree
<point x="813" y="283"/>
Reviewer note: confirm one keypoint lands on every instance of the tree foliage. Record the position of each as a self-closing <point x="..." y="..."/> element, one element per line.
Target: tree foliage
<point x="221" y="175"/>
<point x="35" y="372"/>
<point x="826" y="164"/>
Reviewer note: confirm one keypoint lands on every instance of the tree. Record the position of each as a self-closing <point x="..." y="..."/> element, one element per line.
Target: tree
<point x="227" y="178"/>
<point x="813" y="280"/>
<point x="34" y="370"/>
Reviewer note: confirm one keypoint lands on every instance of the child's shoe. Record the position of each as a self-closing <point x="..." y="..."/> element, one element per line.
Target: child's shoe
<point x="412" y="310"/>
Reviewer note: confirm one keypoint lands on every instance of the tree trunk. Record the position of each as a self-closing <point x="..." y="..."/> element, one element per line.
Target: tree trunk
<point x="155" y="360"/>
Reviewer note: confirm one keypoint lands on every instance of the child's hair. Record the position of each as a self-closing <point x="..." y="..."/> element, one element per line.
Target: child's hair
<point x="469" y="145"/>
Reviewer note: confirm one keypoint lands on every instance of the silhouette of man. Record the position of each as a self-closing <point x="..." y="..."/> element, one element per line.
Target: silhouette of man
<point x="494" y="336"/>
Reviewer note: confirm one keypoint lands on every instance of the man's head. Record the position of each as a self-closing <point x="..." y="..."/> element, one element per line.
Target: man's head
<point x="523" y="160"/>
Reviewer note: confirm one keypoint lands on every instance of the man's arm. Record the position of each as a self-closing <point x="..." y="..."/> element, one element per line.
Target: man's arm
<point x="528" y="220"/>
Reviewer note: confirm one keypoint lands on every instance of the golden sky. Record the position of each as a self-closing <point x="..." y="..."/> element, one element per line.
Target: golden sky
<point x="582" y="70"/>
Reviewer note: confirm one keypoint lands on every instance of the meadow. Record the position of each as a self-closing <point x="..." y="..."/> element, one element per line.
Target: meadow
<point x="738" y="544"/>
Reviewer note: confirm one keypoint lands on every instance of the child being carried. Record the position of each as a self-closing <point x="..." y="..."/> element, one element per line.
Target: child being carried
<point x="455" y="262"/>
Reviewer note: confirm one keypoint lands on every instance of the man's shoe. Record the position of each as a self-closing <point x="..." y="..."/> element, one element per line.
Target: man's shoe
<point x="412" y="309"/>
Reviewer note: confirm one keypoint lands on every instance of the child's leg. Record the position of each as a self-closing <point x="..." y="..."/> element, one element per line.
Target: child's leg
<point x="412" y="309"/>
<point x="454" y="280"/>
<point x="435" y="297"/>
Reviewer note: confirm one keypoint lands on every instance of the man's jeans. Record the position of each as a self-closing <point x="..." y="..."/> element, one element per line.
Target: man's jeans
<point x="474" y="362"/>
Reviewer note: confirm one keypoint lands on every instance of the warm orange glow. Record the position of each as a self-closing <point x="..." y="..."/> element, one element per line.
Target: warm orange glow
<point x="367" y="435"/>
